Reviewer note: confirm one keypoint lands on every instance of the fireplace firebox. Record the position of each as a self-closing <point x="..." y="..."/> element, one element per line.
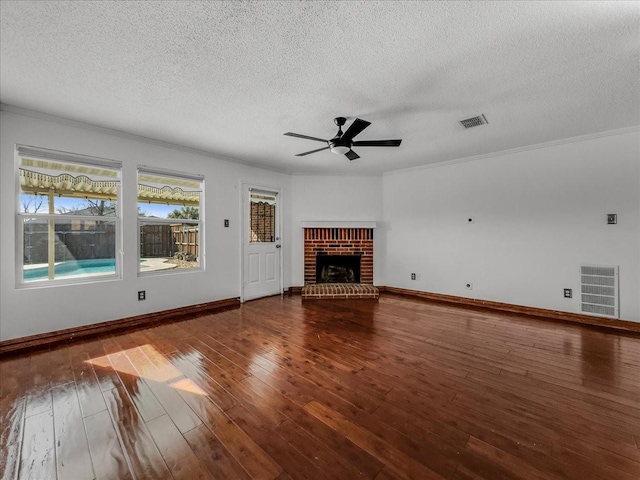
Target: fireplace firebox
<point x="338" y="268"/>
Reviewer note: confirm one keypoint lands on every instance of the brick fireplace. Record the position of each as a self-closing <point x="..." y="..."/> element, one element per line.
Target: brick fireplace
<point x="338" y="241"/>
<point x="347" y="249"/>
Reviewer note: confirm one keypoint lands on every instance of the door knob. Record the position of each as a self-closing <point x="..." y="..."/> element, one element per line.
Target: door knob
<point x="278" y="246"/>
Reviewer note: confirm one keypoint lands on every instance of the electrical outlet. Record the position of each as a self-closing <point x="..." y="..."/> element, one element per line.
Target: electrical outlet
<point x="612" y="218"/>
<point x="413" y="276"/>
<point x="226" y="223"/>
<point x="469" y="286"/>
<point x="568" y="293"/>
<point x="418" y="276"/>
<point x="142" y="295"/>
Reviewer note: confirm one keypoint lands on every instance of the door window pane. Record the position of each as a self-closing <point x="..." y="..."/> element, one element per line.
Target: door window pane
<point x="262" y="218"/>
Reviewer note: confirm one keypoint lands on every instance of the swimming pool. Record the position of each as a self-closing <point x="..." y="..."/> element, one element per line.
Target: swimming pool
<point x="71" y="268"/>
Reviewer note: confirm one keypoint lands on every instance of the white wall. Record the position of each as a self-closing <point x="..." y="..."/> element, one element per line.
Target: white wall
<point x="538" y="215"/>
<point x="344" y="198"/>
<point x="31" y="311"/>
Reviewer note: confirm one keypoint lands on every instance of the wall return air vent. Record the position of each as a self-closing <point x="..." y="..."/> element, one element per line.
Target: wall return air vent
<point x="599" y="291"/>
<point x="474" y="121"/>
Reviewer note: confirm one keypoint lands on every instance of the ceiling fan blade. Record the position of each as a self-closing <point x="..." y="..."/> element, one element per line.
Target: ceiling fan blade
<point x="377" y="143"/>
<point x="354" y="129"/>
<point x="351" y="155"/>
<point x="312" y="151"/>
<point x="305" y="136"/>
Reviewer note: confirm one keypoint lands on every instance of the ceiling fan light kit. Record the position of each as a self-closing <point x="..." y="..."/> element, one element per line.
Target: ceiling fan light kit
<point x="341" y="144"/>
<point x="340" y="149"/>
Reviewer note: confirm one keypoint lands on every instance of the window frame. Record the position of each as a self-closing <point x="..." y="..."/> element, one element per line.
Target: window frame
<point x="55" y="156"/>
<point x="178" y="175"/>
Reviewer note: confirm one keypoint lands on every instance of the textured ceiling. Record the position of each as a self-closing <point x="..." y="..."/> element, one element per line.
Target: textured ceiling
<point x="231" y="77"/>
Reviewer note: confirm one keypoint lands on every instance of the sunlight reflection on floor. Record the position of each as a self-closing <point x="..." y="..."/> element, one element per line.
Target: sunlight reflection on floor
<point x="146" y="362"/>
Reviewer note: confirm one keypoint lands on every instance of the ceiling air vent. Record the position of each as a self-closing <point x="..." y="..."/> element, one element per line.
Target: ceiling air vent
<point x="474" y="121"/>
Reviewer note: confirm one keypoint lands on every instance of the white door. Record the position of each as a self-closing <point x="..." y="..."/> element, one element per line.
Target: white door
<point x="261" y="242"/>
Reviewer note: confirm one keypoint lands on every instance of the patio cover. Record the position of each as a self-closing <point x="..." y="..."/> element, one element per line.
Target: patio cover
<point x="81" y="186"/>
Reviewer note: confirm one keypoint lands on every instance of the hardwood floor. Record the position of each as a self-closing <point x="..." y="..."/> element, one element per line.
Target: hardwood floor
<point x="278" y="389"/>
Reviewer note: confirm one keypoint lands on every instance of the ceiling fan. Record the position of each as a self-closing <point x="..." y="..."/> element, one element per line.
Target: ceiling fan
<point x="341" y="144"/>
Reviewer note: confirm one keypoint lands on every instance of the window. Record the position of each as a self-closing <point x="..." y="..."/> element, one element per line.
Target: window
<point x="68" y="217"/>
<point x="262" y="228"/>
<point x="169" y="220"/>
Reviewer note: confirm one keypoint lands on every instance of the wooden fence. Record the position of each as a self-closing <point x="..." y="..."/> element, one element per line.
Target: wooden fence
<point x="186" y="239"/>
<point x="80" y="240"/>
<point x="89" y="240"/>
<point x="167" y="240"/>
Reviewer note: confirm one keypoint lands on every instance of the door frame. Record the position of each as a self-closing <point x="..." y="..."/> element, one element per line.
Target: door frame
<point x="244" y="230"/>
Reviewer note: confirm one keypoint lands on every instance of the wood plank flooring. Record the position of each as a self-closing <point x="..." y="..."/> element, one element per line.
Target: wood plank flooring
<point x="334" y="389"/>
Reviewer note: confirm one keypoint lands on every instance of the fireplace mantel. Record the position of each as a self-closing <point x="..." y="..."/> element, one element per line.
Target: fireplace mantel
<point x="338" y="224"/>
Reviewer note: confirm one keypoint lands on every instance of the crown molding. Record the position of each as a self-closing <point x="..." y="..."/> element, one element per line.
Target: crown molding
<point x="154" y="141"/>
<point x="553" y="143"/>
<point x="335" y="174"/>
<point x="130" y="136"/>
